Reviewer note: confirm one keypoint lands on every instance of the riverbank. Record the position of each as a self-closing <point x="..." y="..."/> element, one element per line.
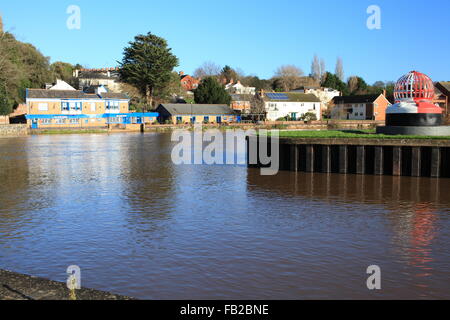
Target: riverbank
<point x="15" y="286"/>
<point x="8" y="130"/>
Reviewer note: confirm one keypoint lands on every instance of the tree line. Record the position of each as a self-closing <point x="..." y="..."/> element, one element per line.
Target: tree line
<point x="147" y="70"/>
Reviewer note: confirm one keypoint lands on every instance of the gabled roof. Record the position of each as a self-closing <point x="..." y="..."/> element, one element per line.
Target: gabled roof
<point x="291" y="97"/>
<point x="55" y="94"/>
<point x="196" y="109"/>
<point x="366" y="98"/>
<point x="70" y="94"/>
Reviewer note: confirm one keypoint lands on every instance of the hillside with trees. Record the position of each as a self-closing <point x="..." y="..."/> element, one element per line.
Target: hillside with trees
<point x="23" y="66"/>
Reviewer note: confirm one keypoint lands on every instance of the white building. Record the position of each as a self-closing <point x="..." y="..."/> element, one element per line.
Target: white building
<point x="107" y="77"/>
<point x="324" y="94"/>
<point x="61" y="85"/>
<point x="239" y="88"/>
<point x="292" y="105"/>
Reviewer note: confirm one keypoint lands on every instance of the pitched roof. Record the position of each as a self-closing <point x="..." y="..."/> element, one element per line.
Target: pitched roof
<point x="196" y="109"/>
<point x="240" y="97"/>
<point x="444" y="86"/>
<point x="293" y="97"/>
<point x="356" y="99"/>
<point x="70" y="94"/>
<point x="55" y="94"/>
<point x="114" y="95"/>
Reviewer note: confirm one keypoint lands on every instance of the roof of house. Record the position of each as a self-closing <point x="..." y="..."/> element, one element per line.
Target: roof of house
<point x="70" y="94"/>
<point x="55" y="94"/>
<point x="114" y="95"/>
<point x="444" y="86"/>
<point x="196" y="109"/>
<point x="356" y="99"/>
<point x="290" y="97"/>
<point x="240" y="97"/>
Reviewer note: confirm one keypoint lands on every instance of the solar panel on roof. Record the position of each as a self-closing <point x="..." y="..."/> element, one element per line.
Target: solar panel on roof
<point x="277" y="96"/>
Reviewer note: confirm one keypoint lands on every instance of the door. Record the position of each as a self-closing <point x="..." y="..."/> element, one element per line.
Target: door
<point x="219" y="119"/>
<point x="34" y="124"/>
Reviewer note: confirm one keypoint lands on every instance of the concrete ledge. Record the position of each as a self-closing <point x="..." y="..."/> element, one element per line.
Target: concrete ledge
<point x="368" y="142"/>
<point x="415" y="131"/>
<point x="14" y="286"/>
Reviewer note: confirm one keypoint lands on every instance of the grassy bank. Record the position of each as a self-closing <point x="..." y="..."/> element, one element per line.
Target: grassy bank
<point x="365" y="134"/>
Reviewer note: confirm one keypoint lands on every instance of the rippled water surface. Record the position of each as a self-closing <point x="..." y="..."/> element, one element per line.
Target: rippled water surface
<point x="138" y="225"/>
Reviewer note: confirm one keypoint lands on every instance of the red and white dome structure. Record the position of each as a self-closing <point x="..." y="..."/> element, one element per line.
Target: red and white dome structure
<point x="414" y="93"/>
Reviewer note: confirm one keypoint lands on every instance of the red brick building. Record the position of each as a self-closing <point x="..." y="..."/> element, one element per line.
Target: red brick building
<point x="188" y="83"/>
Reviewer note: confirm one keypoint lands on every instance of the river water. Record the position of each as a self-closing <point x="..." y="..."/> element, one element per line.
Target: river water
<point x="138" y="225"/>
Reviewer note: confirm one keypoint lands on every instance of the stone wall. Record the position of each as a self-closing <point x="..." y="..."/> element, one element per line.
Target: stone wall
<point x="4" y="120"/>
<point x="13" y="130"/>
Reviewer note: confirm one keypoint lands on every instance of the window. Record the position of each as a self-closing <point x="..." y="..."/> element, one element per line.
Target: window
<point x="114" y="120"/>
<point x="43" y="106"/>
<point x="73" y="121"/>
<point x="93" y="107"/>
<point x="60" y="121"/>
<point x="65" y="106"/>
<point x="112" y="105"/>
<point x="46" y="121"/>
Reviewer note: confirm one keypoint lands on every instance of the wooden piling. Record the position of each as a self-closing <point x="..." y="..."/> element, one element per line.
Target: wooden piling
<point x="397" y="161"/>
<point x="436" y="162"/>
<point x="309" y="158"/>
<point x="343" y="159"/>
<point x="379" y="161"/>
<point x="416" y="165"/>
<point x="294" y="158"/>
<point x="326" y="158"/>
<point x="361" y="160"/>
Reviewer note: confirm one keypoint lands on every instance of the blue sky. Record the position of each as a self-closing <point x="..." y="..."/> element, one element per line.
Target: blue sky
<point x="255" y="36"/>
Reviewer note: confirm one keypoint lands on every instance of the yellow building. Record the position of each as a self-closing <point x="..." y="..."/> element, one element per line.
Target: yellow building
<point x="64" y="107"/>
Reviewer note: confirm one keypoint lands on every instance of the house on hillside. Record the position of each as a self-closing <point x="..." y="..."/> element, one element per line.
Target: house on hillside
<point x="188" y="82"/>
<point x="325" y="95"/>
<point x="107" y="77"/>
<point x="239" y="88"/>
<point x="70" y="108"/>
<point x="290" y="104"/>
<point x="360" y="107"/>
<point x="241" y="103"/>
<point x="196" y="113"/>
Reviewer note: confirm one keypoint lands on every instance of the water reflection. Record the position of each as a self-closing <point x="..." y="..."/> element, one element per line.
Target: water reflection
<point x="139" y="225"/>
<point x="414" y="209"/>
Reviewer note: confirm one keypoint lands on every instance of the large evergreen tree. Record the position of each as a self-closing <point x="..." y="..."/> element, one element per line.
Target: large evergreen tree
<point x="147" y="64"/>
<point x="333" y="81"/>
<point x="210" y="91"/>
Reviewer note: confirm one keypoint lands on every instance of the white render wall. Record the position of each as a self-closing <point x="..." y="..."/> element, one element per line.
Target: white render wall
<point x="276" y="110"/>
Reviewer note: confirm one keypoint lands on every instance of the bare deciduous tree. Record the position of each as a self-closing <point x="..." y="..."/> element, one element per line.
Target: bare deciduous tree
<point x="317" y="68"/>
<point x="207" y="69"/>
<point x="339" y="72"/>
<point x="257" y="105"/>
<point x="289" y="76"/>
